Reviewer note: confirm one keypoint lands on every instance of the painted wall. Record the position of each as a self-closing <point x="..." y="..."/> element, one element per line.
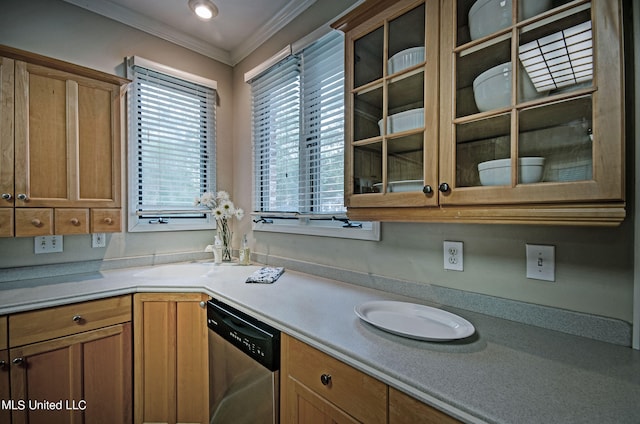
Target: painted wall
<point x="594" y="267"/>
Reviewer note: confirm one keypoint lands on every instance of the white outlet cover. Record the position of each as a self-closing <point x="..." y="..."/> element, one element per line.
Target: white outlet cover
<point x="541" y="262"/>
<point x="453" y="257"/>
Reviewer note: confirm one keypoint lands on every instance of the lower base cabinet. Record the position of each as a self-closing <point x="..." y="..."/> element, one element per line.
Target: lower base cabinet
<point x="69" y="364"/>
<point x="319" y="389"/>
<point x="171" y="362"/>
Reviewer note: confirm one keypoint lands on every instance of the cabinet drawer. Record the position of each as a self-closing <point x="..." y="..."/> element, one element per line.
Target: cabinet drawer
<point x="356" y="393"/>
<point x="3" y="333"/>
<point x="72" y="221"/>
<point x="45" y="324"/>
<point x="106" y="220"/>
<point x="6" y="222"/>
<point x="34" y="222"/>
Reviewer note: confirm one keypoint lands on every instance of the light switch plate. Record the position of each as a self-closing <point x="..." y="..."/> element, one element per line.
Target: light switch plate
<point x="541" y="262"/>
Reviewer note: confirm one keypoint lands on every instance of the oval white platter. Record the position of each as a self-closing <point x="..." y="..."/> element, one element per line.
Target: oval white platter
<point x="414" y="321"/>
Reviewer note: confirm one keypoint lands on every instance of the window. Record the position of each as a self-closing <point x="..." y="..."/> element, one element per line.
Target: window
<point x="171" y="147"/>
<point x="298" y="139"/>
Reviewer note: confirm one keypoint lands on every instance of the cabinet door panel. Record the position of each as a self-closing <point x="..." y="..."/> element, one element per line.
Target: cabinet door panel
<point x="6" y="222"/>
<point x="33" y="222"/>
<point x="6" y="131"/>
<point x="171" y="358"/>
<point x="87" y="375"/>
<point x="71" y="221"/>
<point x="5" y="414"/>
<point x="306" y="407"/>
<point x="404" y="409"/>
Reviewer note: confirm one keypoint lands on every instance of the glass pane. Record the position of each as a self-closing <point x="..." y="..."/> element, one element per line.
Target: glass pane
<point x="367" y="168"/>
<point x="368" y="57"/>
<point x="558" y="57"/>
<point x="560" y="133"/>
<point x="483" y="78"/>
<point x="367" y="114"/>
<point x="405" y="163"/>
<point x="479" y="142"/>
<point x="406" y="48"/>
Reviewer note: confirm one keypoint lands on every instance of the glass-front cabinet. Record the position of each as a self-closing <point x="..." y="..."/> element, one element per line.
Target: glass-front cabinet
<point x="392" y="100"/>
<point x="485" y="111"/>
<point x="530" y="115"/>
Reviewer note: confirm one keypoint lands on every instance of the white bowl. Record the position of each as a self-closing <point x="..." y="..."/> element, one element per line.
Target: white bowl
<point x="406" y="59"/>
<point x="404" y="121"/>
<point x="498" y="172"/>
<point x="489" y="16"/>
<point x="492" y="88"/>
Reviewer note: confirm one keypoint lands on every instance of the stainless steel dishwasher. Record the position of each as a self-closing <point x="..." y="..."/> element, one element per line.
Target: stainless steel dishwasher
<point x="244" y="363"/>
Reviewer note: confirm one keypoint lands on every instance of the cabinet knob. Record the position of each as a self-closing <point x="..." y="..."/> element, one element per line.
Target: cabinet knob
<point x="427" y="189"/>
<point x="36" y="222"/>
<point x="3" y="364"/>
<point x="23" y="196"/>
<point x="75" y="221"/>
<point x="444" y="187"/>
<point x="107" y="221"/>
<point x="203" y="304"/>
<point x="325" y="379"/>
<point x="18" y="361"/>
<point x="77" y="319"/>
<point x="6" y="196"/>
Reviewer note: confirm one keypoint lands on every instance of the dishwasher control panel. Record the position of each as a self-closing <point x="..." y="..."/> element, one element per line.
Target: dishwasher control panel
<point x="255" y="338"/>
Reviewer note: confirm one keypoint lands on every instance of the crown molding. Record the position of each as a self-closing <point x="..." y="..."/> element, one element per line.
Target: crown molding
<point x="168" y="33"/>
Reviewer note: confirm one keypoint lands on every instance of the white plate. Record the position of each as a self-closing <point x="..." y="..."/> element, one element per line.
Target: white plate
<point x="414" y="321"/>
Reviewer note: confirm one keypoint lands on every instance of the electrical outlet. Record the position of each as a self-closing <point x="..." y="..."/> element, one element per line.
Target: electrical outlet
<point x="98" y="240"/>
<point x="541" y="262"/>
<point x="453" y="255"/>
<point x="47" y="244"/>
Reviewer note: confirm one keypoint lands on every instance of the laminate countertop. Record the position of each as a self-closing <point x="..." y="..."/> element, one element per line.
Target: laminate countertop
<point x="507" y="372"/>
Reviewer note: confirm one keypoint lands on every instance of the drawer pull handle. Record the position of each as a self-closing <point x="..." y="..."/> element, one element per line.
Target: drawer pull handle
<point x="75" y="221"/>
<point x="23" y="196"/>
<point x="78" y="319"/>
<point x="36" y="222"/>
<point x="107" y="221"/>
<point x="6" y="196"/>
<point x="18" y="361"/>
<point x="325" y="379"/>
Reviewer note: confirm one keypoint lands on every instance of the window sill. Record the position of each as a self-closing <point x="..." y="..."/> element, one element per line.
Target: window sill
<point x="325" y="228"/>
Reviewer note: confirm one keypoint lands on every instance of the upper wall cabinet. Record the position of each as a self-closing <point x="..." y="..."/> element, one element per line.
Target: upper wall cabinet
<point x="521" y="111"/>
<point x="65" y="146"/>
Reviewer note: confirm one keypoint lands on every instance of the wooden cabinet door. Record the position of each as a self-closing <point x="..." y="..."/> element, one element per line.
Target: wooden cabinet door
<point x="171" y="358"/>
<point x="6" y="133"/>
<point x="67" y="149"/>
<point x="85" y="378"/>
<point x="5" y="394"/>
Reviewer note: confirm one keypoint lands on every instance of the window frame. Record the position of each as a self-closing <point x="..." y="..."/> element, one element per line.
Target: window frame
<point x="329" y="224"/>
<point x="179" y="219"/>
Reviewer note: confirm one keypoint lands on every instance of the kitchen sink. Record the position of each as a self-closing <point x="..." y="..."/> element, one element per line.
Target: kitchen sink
<point x="190" y="270"/>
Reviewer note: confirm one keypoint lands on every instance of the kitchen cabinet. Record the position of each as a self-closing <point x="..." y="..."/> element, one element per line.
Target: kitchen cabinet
<point x="65" y="144"/>
<point x="317" y="388"/>
<point x="404" y="409"/>
<point x="77" y="357"/>
<point x="171" y="377"/>
<point x="6" y="147"/>
<point x="523" y="111"/>
<point x="5" y="413"/>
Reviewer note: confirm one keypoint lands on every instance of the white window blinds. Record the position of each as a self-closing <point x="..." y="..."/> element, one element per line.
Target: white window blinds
<point x="298" y="131"/>
<point x="172" y="123"/>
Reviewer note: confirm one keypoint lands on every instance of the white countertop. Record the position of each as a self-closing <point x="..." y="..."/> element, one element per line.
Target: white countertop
<point x="506" y="373"/>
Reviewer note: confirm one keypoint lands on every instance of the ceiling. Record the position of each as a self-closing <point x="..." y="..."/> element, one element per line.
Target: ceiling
<point x="240" y="27"/>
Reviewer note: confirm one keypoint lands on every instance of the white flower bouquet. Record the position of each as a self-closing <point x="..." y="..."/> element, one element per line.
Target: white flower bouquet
<point x="223" y="211"/>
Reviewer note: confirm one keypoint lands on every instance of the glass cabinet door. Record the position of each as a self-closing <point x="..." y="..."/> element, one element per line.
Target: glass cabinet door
<point x="393" y="98"/>
<point x="532" y="116"/>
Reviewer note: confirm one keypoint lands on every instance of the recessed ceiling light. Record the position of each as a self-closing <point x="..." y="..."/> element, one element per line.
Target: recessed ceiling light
<point x="204" y="9"/>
